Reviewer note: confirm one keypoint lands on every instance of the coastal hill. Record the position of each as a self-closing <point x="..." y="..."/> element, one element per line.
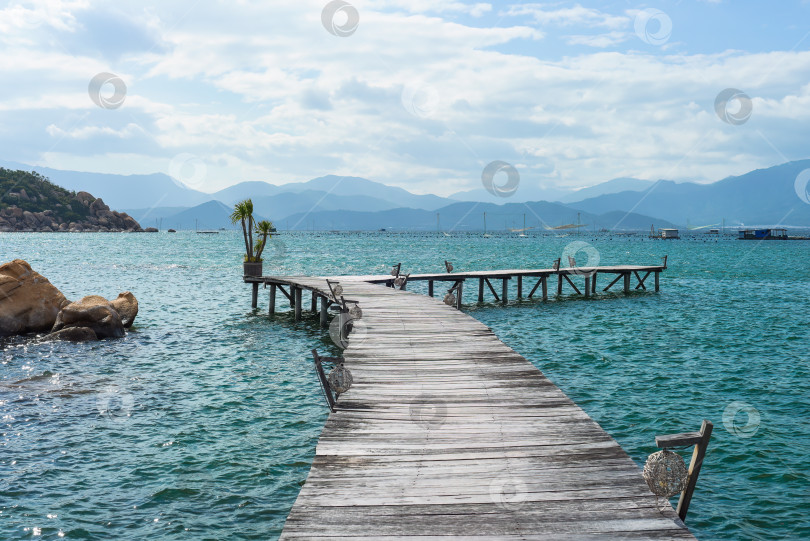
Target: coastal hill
<point x="30" y="202"/>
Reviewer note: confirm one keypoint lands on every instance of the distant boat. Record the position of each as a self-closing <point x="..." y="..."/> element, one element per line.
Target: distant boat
<point x="567" y="226"/>
<point x="204" y="232"/>
<point x="521" y="231"/>
<point x="486" y="235"/>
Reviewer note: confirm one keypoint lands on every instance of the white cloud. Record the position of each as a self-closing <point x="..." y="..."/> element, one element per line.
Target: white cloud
<point x="600" y="40"/>
<point x="264" y="92"/>
<point x="569" y="16"/>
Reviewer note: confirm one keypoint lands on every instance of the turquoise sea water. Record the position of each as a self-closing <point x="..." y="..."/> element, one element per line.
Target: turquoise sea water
<point x="201" y="423"/>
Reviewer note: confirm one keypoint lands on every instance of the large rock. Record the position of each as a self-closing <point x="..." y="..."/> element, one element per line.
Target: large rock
<point x="127" y="307"/>
<point x="28" y="301"/>
<point x="73" y="334"/>
<point x="94" y="312"/>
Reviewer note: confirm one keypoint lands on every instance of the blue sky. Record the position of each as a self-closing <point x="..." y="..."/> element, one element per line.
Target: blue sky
<point x="423" y="94"/>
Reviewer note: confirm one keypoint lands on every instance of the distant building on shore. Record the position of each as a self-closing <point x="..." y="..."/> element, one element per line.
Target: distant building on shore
<point x="763" y="234"/>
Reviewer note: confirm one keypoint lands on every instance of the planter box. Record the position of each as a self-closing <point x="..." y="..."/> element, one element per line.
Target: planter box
<point x="252" y="269"/>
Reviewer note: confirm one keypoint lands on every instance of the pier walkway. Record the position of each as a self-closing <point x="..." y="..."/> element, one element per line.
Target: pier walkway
<point x="447" y="433"/>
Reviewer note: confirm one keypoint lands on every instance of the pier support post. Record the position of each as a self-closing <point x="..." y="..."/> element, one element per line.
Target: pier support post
<point x="297" y="297"/>
<point x="271" y="310"/>
<point x="520" y="287"/>
<point x="587" y="286"/>
<point x="656" y="281"/>
<point x="480" y="290"/>
<point x="314" y="306"/>
<point x="324" y="306"/>
<point x="430" y="287"/>
<point x="505" y="291"/>
<point x="626" y="282"/>
<point x="559" y="284"/>
<point x="459" y="292"/>
<point x="593" y="283"/>
<point x="544" y="285"/>
<point x="255" y="300"/>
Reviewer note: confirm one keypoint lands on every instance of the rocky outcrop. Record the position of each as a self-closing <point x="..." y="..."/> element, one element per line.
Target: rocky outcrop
<point x="99" y="219"/>
<point x="28" y="301"/>
<point x="29" y="202"/>
<point x="127" y="307"/>
<point x="73" y="334"/>
<point x="94" y="312"/>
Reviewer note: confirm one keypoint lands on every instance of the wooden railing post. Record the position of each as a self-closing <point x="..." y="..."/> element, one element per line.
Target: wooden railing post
<point x="701" y="441"/>
<point x="324" y="381"/>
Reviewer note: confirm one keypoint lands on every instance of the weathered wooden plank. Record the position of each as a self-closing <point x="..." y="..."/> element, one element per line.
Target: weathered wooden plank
<point x="447" y="433"/>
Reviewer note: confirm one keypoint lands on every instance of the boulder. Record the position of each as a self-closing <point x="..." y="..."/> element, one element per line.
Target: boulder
<point x="127" y="307"/>
<point x="98" y="206"/>
<point x="94" y="312"/>
<point x="28" y="301"/>
<point x="85" y="198"/>
<point x="73" y="334"/>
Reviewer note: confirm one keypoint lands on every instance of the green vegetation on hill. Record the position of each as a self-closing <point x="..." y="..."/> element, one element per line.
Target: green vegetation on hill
<point x="30" y="202"/>
<point x="32" y="192"/>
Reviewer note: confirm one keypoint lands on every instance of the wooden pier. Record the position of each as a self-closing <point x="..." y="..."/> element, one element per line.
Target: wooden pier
<point x="292" y="287"/>
<point x="447" y="433"/>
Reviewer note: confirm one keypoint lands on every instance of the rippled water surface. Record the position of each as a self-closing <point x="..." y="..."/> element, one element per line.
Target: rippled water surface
<point x="201" y="423"/>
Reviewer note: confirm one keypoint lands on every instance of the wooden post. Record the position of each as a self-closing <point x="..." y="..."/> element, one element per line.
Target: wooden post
<point x="314" y="306"/>
<point x="593" y="283"/>
<point x="545" y="287"/>
<point x="520" y="286"/>
<point x="559" y="284"/>
<point x="272" y="309"/>
<point x="324" y="306"/>
<point x="656" y="281"/>
<point x="626" y="282"/>
<point x="459" y="291"/>
<point x="430" y="287"/>
<point x="701" y="441"/>
<point x="587" y="286"/>
<point x="343" y="319"/>
<point x="480" y="290"/>
<point x="505" y="290"/>
<point x="694" y="468"/>
<point x="324" y="381"/>
<point x="255" y="300"/>
<point x="297" y="298"/>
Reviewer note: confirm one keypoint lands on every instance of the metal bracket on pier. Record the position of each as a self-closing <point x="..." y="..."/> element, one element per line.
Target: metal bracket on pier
<point x="700" y="440"/>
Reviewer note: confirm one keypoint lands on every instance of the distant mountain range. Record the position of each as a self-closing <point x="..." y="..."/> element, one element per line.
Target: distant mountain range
<point x="762" y="197"/>
<point x="469" y="216"/>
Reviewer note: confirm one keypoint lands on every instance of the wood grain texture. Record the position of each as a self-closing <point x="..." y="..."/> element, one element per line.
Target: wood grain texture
<point x="447" y="433"/>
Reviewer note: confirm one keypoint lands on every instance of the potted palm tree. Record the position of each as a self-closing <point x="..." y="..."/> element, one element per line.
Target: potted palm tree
<point x="243" y="213"/>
